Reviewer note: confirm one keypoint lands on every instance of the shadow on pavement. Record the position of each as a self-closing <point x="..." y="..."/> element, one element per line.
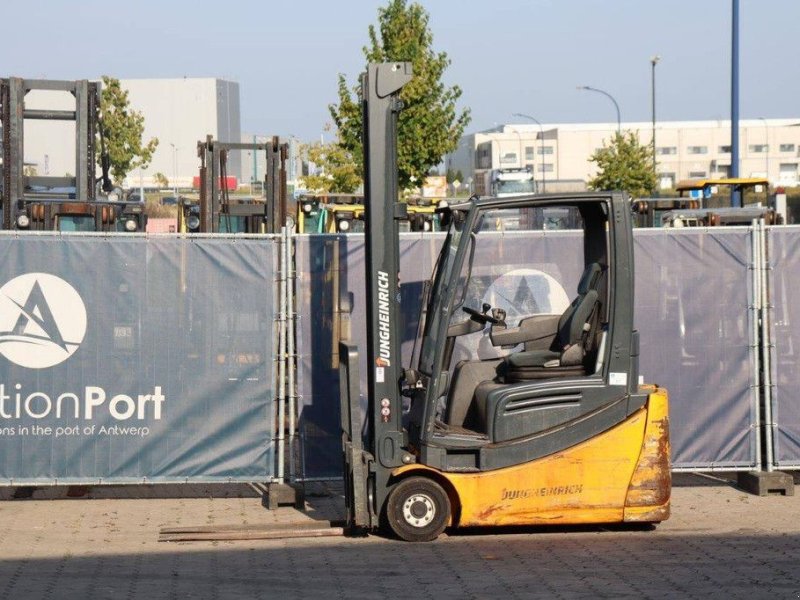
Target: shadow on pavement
<point x="610" y="564"/>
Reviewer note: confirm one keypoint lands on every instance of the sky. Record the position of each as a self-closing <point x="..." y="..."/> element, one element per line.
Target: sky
<point x="508" y="56"/>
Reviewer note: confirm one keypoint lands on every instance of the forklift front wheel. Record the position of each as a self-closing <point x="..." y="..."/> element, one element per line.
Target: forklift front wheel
<point x="418" y="509"/>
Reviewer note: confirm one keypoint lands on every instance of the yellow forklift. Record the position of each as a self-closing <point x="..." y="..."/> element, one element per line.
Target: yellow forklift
<point x="707" y="190"/>
<point x="558" y="430"/>
<point x="342" y="217"/>
<point x="421" y="216"/>
<point x="344" y="213"/>
<point x="310" y="214"/>
<point x="330" y="213"/>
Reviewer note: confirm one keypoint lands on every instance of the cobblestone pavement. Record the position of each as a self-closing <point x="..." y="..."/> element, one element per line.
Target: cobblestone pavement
<point x="719" y="543"/>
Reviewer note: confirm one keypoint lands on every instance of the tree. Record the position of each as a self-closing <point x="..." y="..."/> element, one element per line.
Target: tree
<point x="338" y="173"/>
<point x="122" y="129"/>
<point x="624" y="164"/>
<point x="161" y="180"/>
<point x="455" y="175"/>
<point x="430" y="125"/>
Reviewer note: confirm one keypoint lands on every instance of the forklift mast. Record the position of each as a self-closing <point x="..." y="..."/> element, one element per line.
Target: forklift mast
<point x="21" y="192"/>
<point x="215" y="200"/>
<point x="381" y="106"/>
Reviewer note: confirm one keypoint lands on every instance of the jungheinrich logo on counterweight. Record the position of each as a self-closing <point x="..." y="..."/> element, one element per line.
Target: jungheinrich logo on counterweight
<point x="42" y="320"/>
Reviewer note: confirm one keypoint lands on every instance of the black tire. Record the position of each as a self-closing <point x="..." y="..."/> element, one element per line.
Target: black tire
<point x="418" y="509"/>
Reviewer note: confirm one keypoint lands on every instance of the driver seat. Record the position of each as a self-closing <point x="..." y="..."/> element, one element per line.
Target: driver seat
<point x="564" y="358"/>
<point x="566" y="354"/>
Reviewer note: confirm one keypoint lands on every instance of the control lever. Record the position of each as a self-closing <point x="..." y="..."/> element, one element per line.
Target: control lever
<point x="500" y="315"/>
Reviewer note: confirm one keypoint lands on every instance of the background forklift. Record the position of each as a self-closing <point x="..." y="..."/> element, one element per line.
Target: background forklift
<point x="557" y="431"/>
<point x="51" y="203"/>
<point x="217" y="211"/>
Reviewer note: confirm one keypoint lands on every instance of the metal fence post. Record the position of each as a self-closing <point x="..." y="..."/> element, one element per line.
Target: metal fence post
<point x="755" y="309"/>
<point x="766" y="345"/>
<point x="291" y="273"/>
<point x="281" y="396"/>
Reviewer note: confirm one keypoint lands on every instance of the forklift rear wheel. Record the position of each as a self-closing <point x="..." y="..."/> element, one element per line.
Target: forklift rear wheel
<point x="418" y="509"/>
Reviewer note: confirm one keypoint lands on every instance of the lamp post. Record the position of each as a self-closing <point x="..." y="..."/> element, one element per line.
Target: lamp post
<point x="519" y="143"/>
<point x="251" y="176"/>
<point x="541" y="135"/>
<point x="766" y="150"/>
<point x="610" y="97"/>
<point x="736" y="196"/>
<point x="141" y="185"/>
<point x="653" y="62"/>
<point x="175" y="169"/>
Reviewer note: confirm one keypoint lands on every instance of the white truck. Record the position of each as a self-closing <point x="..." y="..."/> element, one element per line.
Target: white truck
<point x="506" y="182"/>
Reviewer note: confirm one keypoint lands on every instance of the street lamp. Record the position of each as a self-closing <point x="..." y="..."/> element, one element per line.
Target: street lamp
<point x="251" y="176"/>
<point x="610" y="97"/>
<point x="519" y="143"/>
<point x="654" y="61"/>
<point x="175" y="169"/>
<point x="541" y="135"/>
<point x="766" y="137"/>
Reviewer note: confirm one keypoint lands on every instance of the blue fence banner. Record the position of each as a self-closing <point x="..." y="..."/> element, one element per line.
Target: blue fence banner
<point x="133" y="358"/>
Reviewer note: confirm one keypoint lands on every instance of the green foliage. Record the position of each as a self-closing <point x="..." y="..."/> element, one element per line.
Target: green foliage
<point x="625" y="164"/>
<point x="161" y="180"/>
<point x="455" y="175"/>
<point x="430" y="125"/>
<point x="339" y="173"/>
<point x="122" y="129"/>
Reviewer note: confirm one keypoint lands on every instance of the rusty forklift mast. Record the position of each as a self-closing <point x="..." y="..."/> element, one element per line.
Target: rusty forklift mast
<point x="34" y="201"/>
<point x="218" y="210"/>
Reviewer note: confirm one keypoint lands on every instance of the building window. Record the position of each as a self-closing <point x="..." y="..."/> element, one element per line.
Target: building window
<point x="665" y="150"/>
<point x="725" y="149"/>
<point x="697" y="149"/>
<point x="483" y="156"/>
<point x="544" y="150"/>
<point x="545" y="168"/>
<point x="758" y="148"/>
<point x="788" y="173"/>
<point x="666" y="181"/>
<point x="528" y="152"/>
<point x="508" y="158"/>
<point x="787" y="147"/>
<point x="697" y="174"/>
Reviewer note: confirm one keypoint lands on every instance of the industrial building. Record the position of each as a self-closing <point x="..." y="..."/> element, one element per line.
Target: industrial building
<point x="254" y="164"/>
<point x="181" y="112"/>
<point x="684" y="149"/>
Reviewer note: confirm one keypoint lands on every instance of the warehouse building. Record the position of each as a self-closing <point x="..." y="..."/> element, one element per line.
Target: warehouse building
<point x="181" y="112"/>
<point x="684" y="149"/>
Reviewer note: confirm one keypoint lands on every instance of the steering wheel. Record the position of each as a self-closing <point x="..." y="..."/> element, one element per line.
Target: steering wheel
<point x="480" y="317"/>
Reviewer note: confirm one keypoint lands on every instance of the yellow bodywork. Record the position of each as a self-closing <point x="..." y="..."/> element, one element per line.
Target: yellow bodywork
<point x="356" y="212"/>
<point x="620" y="475"/>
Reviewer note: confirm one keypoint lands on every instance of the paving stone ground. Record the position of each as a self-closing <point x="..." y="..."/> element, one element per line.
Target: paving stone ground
<point x="719" y="543"/>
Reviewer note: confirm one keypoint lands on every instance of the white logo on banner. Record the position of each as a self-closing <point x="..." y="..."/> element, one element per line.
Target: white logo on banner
<point x="42" y="320"/>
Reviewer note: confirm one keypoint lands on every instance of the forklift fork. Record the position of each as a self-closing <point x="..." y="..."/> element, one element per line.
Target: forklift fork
<point x="356" y="460"/>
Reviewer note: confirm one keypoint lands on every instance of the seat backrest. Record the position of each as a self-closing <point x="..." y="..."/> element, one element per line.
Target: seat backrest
<point x="572" y="324"/>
